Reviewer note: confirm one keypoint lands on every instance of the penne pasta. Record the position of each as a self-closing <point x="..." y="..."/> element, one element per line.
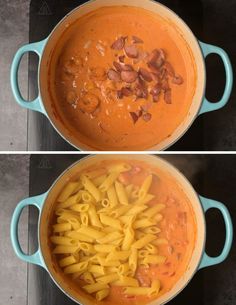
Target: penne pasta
<point x="106" y="203"/>
<point x="121" y="193"/>
<point x="95" y="173"/>
<point x="88" y="278"/>
<point x="127" y="281"/>
<point x="82" y="208"/>
<point x="107" y="279"/>
<point x="64" y="249"/>
<point x="154" y="210"/>
<point x="90" y="187"/>
<point x="96" y="269"/>
<point x="104" y="248"/>
<point x="68" y="190"/>
<point x="133" y="260"/>
<point x="102" y="294"/>
<point x="107" y="183"/>
<point x="120" y="168"/>
<point x="91" y="232"/>
<point x="86" y="247"/>
<point x="143" y="223"/>
<point x="145" y="187"/>
<point x="154" y="259"/>
<point x="119" y="211"/>
<point x="109" y="221"/>
<point x="93" y="216"/>
<point x="64" y="241"/>
<point x="78" y="236"/>
<point x="118" y="255"/>
<point x="128" y="238"/>
<point x="61" y="227"/>
<point x="144" y="241"/>
<point x="152" y="230"/>
<point x="123" y="269"/>
<point x="76" y="268"/>
<point x="91" y="288"/>
<point x="84" y="218"/>
<point x="109" y="237"/>
<point x="99" y="180"/>
<point x="160" y="241"/>
<point x="69" y="260"/>
<point x="112" y="196"/>
<point x="105" y="232"/>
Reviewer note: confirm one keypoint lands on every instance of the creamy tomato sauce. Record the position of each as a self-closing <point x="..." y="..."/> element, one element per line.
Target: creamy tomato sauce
<point x="109" y="109"/>
<point x="178" y="227"/>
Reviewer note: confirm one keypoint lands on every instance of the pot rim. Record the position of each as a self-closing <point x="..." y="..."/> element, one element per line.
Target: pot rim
<point x="84" y="146"/>
<point x="178" y="173"/>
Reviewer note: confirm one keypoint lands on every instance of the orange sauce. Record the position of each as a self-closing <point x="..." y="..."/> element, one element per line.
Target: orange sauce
<point x="178" y="227"/>
<point x="84" y="58"/>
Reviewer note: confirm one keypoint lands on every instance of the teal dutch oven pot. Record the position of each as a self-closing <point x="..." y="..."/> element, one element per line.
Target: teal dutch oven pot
<point x="44" y="49"/>
<point x="200" y="205"/>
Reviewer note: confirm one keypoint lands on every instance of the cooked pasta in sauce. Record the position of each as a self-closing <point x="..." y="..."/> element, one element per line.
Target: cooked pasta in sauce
<point x="123" y="232"/>
<point x="122" y="78"/>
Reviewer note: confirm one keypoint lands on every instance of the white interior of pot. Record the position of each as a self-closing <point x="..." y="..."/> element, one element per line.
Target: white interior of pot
<point x="154" y="161"/>
<point x="148" y="5"/>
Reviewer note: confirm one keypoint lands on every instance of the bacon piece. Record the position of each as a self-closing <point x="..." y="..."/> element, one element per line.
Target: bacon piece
<point x="156" y="59"/>
<point x="121" y="58"/>
<point x="156" y="90"/>
<point x="136" y="39"/>
<point x="119" y="43"/>
<point x="145" y="74"/>
<point x="155" y="98"/>
<point x="125" y="91"/>
<point x="147" y="117"/>
<point x="165" y="84"/>
<point x="170" y="70"/>
<point x="140" y="89"/>
<point x="134" y="117"/>
<point x="177" y="79"/>
<point x="129" y="76"/>
<point x="113" y="75"/>
<point x="167" y="96"/>
<point x="131" y="51"/>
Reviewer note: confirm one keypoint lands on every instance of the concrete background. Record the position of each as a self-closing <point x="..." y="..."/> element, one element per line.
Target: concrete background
<point x="14" y="23"/>
<point x="14" y="186"/>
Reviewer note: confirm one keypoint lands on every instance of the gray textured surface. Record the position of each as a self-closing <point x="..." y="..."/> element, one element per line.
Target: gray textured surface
<point x="14" y="16"/>
<point x="14" y="186"/>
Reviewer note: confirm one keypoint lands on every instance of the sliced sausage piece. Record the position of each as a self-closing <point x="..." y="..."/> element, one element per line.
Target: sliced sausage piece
<point x="136" y="39"/>
<point x="131" y="51"/>
<point x="145" y="74"/>
<point x="129" y="76"/>
<point x="113" y="75"/>
<point x="119" y="43"/>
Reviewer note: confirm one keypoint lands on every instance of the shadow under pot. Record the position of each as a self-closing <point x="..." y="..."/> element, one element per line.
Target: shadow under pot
<point x="102" y="240"/>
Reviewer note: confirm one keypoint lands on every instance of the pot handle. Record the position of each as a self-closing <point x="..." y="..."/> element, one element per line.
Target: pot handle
<point x="38" y="48"/>
<point x="36" y="257"/>
<point x="208" y="106"/>
<point x="212" y="204"/>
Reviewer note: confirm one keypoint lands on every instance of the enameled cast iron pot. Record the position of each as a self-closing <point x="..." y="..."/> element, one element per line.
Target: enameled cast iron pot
<point x="44" y="49"/>
<point x="44" y="203"/>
